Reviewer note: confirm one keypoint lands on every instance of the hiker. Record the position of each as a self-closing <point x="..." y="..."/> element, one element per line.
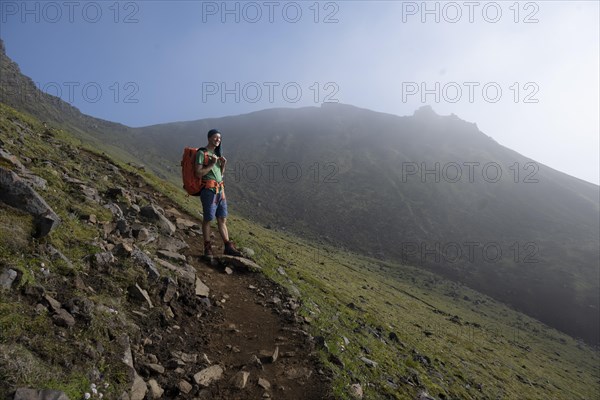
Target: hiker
<point x="210" y="166"/>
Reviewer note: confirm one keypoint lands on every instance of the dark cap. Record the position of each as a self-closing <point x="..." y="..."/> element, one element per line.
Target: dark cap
<point x="213" y="132"/>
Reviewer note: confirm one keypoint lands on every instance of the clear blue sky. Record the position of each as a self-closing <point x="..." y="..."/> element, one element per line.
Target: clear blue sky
<point x="526" y="72"/>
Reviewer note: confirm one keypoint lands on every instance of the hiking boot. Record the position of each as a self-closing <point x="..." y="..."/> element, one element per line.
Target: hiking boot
<point x="208" y="249"/>
<point x="230" y="250"/>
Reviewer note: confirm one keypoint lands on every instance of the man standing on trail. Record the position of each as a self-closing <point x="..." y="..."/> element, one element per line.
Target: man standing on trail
<point x="210" y="166"/>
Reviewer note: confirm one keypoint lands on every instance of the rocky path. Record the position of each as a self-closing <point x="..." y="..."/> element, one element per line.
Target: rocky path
<point x="255" y="335"/>
<point x="247" y="342"/>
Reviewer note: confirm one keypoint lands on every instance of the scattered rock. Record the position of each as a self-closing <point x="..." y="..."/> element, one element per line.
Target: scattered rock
<point x="115" y="193"/>
<point x="140" y="294"/>
<point x="156" y="391"/>
<point x="263" y="383"/>
<point x="123" y="249"/>
<point x="36" y="181"/>
<point x="127" y="355"/>
<point x="5" y="155"/>
<point x="45" y="394"/>
<point x="123" y="228"/>
<point x="424" y="360"/>
<point x="138" y="389"/>
<point x="152" y="214"/>
<point x="424" y="396"/>
<point x="184" y="386"/>
<point x="90" y="194"/>
<point x="170" y="290"/>
<point x="187" y="272"/>
<point x="356" y="391"/>
<point x="186" y="358"/>
<point x="201" y="289"/>
<point x="297" y="372"/>
<point x="182" y="224"/>
<point x="267" y="356"/>
<point x="240" y="379"/>
<point x="171" y="255"/>
<point x="115" y="210"/>
<point x="173" y="212"/>
<point x="142" y="259"/>
<point x="55" y="254"/>
<point x="104" y="260"/>
<point x="7" y="278"/>
<point x="171" y="244"/>
<point x="53" y="304"/>
<point x="369" y="363"/>
<point x="157" y="368"/>
<point x="63" y="318"/>
<point x="208" y="375"/>
<point x="141" y="234"/>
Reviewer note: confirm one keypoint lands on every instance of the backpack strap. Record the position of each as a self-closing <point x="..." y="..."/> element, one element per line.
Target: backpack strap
<point x="205" y="152"/>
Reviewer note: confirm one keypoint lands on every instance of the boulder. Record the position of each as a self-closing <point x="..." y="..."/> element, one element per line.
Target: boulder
<point x="15" y="192"/>
<point x="239" y="263"/>
<point x="151" y="213"/>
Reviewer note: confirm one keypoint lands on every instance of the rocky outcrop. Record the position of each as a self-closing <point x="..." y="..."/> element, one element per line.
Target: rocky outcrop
<point x="15" y="192"/>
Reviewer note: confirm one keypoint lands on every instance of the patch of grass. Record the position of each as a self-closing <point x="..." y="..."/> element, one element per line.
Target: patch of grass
<point x="16" y="323"/>
<point x="16" y="229"/>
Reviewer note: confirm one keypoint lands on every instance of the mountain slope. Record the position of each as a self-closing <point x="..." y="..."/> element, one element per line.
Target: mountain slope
<point x="420" y="190"/>
<point x="387" y="186"/>
<point x="389" y="330"/>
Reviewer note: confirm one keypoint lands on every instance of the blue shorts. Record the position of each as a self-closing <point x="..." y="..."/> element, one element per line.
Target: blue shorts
<point x="213" y="205"/>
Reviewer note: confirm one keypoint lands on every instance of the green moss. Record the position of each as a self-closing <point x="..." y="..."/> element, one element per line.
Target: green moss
<point x="15" y="321"/>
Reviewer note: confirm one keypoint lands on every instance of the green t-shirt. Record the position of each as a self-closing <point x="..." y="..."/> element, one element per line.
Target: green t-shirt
<point x="215" y="172"/>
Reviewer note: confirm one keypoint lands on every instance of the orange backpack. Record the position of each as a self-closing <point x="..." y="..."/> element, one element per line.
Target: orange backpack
<point x="191" y="183"/>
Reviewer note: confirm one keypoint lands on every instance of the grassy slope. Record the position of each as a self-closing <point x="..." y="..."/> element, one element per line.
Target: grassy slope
<point x="30" y="354"/>
<point x="491" y="345"/>
<point x="489" y="351"/>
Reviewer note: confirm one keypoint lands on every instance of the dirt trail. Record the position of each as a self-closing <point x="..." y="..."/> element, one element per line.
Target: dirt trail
<point x="249" y="319"/>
